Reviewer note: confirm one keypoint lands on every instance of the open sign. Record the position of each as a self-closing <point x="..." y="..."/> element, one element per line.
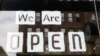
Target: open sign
<point x="35" y="42"/>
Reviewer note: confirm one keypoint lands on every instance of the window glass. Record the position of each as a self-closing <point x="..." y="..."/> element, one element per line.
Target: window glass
<point x="46" y="30"/>
<point x="77" y="17"/>
<point x="38" y="14"/>
<point x="93" y="16"/>
<point x="62" y="15"/>
<point x="71" y="30"/>
<point x="70" y="19"/>
<point x="69" y="14"/>
<point x="38" y="30"/>
<point x="62" y="30"/>
<point x="29" y="29"/>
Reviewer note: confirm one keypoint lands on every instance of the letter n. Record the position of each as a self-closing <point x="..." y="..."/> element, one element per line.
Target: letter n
<point x="77" y="42"/>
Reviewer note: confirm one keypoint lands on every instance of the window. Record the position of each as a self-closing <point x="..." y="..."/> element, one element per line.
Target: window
<point x="38" y="14"/>
<point x="70" y="17"/>
<point x="46" y="30"/>
<point x="62" y="30"/>
<point x="29" y="29"/>
<point x="62" y="16"/>
<point x="38" y="30"/>
<point x="46" y="49"/>
<point x="77" y="15"/>
<point x="38" y="17"/>
<point x="93" y="16"/>
<point x="70" y="30"/>
<point x="78" y="19"/>
<point x="79" y="30"/>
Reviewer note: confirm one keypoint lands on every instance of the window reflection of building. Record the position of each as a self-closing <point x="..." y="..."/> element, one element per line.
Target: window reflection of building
<point x="78" y="19"/>
<point x="78" y="22"/>
<point x="70" y="17"/>
<point x="71" y="21"/>
<point x="46" y="30"/>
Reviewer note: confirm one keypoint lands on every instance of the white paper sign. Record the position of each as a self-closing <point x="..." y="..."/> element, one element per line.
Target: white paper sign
<point x="35" y="42"/>
<point x="25" y="17"/>
<point x="51" y="17"/>
<point x="14" y="42"/>
<point x="56" y="42"/>
<point x="77" y="41"/>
